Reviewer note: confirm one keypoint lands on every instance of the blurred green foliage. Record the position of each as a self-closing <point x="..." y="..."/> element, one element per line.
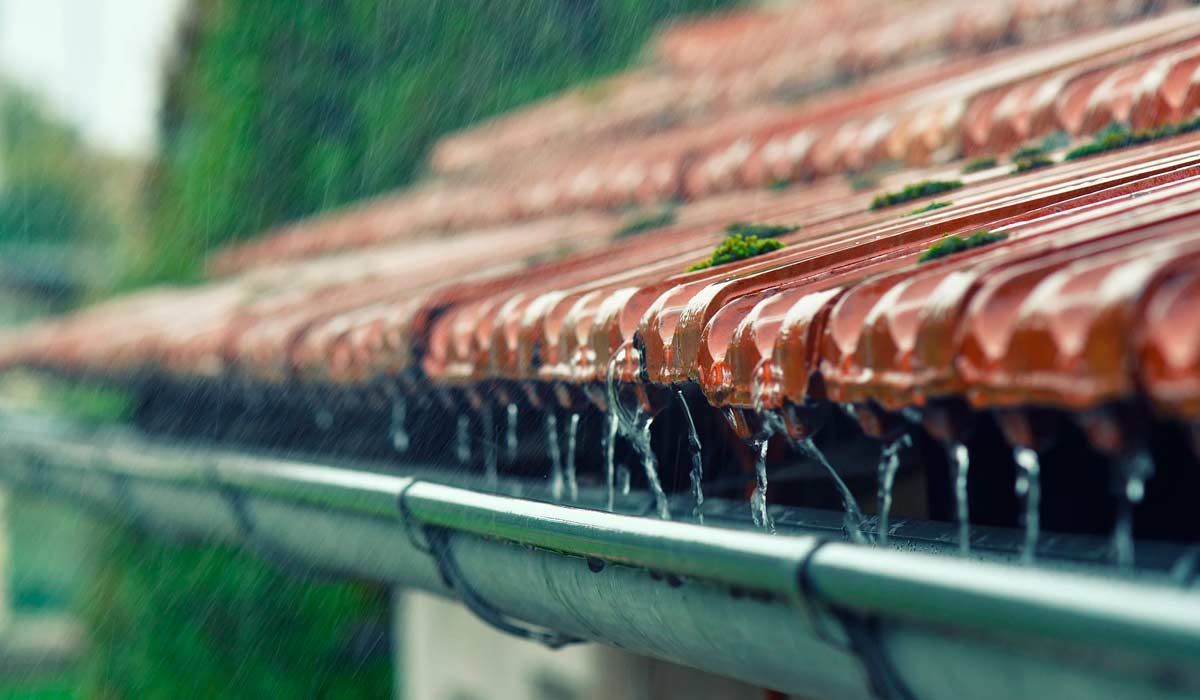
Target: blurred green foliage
<point x="47" y="194"/>
<point x="277" y="109"/>
<point x="171" y="620"/>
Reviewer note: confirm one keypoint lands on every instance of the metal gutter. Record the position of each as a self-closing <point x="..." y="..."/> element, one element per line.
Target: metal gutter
<point x="797" y="612"/>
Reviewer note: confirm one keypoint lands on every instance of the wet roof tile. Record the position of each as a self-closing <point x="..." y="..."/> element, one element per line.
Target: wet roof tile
<point x="516" y="285"/>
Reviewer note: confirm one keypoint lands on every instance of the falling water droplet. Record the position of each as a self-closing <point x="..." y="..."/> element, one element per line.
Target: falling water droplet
<point x="853" y="519"/>
<point x="697" y="472"/>
<point x="610" y="447"/>
<point x="572" y="480"/>
<point x="510" y="433"/>
<point x="758" y="499"/>
<point x="556" y="476"/>
<point x="491" y="470"/>
<point x="399" y="427"/>
<point x="962" y="462"/>
<point x="1029" y="489"/>
<point x="462" y="447"/>
<point x="889" y="464"/>
<point x="623" y="480"/>
<point x="1135" y="470"/>
<point x="323" y="419"/>
<point x="650" y="465"/>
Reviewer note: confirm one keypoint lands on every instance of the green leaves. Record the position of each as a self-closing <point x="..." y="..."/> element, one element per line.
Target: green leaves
<point x="919" y="190"/>
<point x="956" y="244"/>
<point x="744" y="241"/>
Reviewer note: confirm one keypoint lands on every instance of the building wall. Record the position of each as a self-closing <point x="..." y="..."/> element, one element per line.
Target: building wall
<point x="448" y="654"/>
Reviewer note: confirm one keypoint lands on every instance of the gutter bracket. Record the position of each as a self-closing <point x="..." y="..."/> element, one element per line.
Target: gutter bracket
<point x="436" y="543"/>
<point x="862" y="632"/>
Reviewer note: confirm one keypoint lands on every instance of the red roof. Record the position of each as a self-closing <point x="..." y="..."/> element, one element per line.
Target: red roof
<point x="516" y="277"/>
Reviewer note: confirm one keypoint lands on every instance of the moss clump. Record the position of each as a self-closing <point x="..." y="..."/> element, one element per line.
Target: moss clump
<point x="641" y="223"/>
<point x="1117" y="136"/>
<point x="956" y="244"/>
<point x="1031" y="163"/>
<point x="1026" y="152"/>
<point x="1052" y="142"/>
<point x="919" y="190"/>
<point x="928" y="207"/>
<point x="979" y="164"/>
<point x="744" y="241"/>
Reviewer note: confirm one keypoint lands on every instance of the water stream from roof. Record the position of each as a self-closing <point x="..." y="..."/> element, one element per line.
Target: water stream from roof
<point x="961" y="459"/>
<point x="650" y="465"/>
<point x="556" y="468"/>
<point x="510" y="433"/>
<point x="1029" y="489"/>
<point x="1135" y="469"/>
<point x="852" y="520"/>
<point x="462" y="440"/>
<point x="610" y="448"/>
<point x="697" y="471"/>
<point x="889" y="464"/>
<point x="398" y="429"/>
<point x="490" y="458"/>
<point x="623" y="479"/>
<point x="636" y="429"/>
<point x="571" y="477"/>
<point x="758" y="499"/>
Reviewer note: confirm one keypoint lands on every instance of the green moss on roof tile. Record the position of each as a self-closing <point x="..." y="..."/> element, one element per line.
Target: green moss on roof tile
<point x="1023" y="165"/>
<point x="929" y="207"/>
<point x="744" y="241"/>
<point x="1117" y="136"/>
<point x="1032" y="151"/>
<point x="918" y="190"/>
<point x="979" y="164"/>
<point x="1052" y="142"/>
<point x="956" y="244"/>
<point x="643" y="222"/>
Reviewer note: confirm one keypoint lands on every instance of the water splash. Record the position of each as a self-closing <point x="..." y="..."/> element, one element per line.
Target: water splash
<point x="491" y="469"/>
<point x="697" y="472"/>
<point x="853" y="518"/>
<point x="610" y="447"/>
<point x="510" y="433"/>
<point x="758" y="499"/>
<point x="1135" y="469"/>
<point x="398" y="429"/>
<point x="623" y="480"/>
<point x="889" y="464"/>
<point x="1029" y="489"/>
<point x="462" y="442"/>
<point x="961" y="459"/>
<point x="556" y="469"/>
<point x="572" y="480"/>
